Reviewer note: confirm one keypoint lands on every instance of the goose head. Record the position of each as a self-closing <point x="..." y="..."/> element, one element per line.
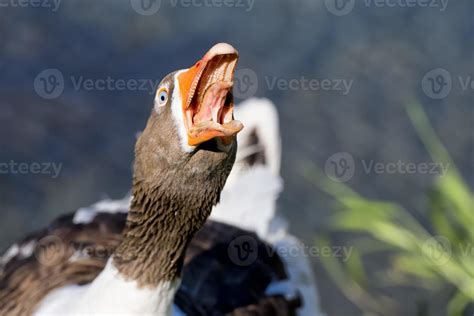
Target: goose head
<point x="189" y="144"/>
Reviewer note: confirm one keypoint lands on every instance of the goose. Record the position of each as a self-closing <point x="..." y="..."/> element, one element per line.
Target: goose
<point x="131" y="263"/>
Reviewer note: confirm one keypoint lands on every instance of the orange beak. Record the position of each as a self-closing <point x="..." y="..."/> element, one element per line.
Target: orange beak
<point x="206" y="92"/>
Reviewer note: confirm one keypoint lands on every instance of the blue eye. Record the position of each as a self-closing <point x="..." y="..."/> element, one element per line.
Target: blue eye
<point x="162" y="97"/>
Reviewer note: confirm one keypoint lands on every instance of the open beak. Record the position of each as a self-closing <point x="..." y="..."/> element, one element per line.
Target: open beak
<point x="206" y="92"/>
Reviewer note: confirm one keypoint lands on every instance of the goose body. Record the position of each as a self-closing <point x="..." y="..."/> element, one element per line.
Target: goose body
<point x="73" y="266"/>
<point x="213" y="283"/>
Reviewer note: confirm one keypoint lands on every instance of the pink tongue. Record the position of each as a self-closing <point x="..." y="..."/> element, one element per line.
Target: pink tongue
<point x="213" y="102"/>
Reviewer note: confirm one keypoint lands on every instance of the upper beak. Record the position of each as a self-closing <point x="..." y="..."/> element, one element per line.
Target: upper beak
<point x="206" y="93"/>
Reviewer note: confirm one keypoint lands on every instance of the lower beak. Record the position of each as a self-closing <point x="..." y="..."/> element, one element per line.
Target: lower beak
<point x="206" y="93"/>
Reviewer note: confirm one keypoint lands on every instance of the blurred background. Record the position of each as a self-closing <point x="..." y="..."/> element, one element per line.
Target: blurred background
<point x="376" y="104"/>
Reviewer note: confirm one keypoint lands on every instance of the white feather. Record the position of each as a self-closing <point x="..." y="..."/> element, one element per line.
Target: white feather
<point x="21" y="251"/>
<point x="86" y="215"/>
<point x="110" y="294"/>
<point x="260" y="116"/>
<point x="11" y="253"/>
<point x="249" y="201"/>
<point x="27" y="249"/>
<point x="177" y="111"/>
